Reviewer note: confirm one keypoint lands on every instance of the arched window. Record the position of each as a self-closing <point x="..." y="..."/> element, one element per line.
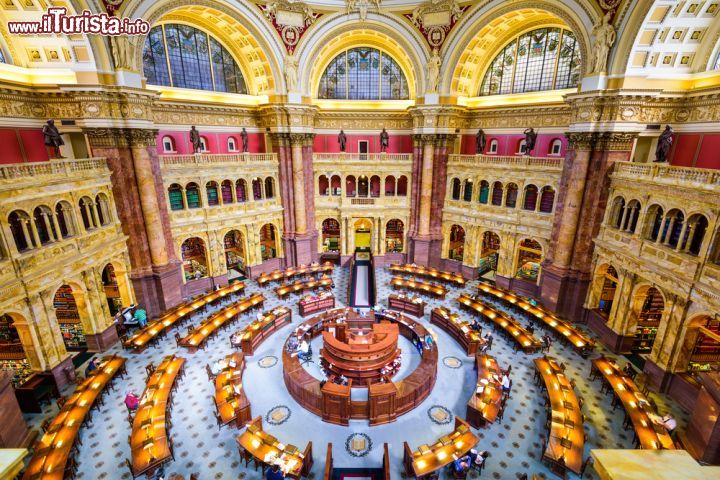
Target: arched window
<point x="42" y="216"/>
<point x="494" y="144"/>
<point x="363" y="73"/>
<point x="330" y="235"/>
<point x="543" y="59"/>
<point x="241" y="191"/>
<point x="335" y="187"/>
<point x="363" y="186"/>
<point x="226" y="188"/>
<point x="350" y="186"/>
<point x="555" y="147"/>
<point x="618" y="212"/>
<point x="269" y="187"/>
<point x="632" y="213"/>
<point x="86" y="211"/>
<point x="497" y="194"/>
<point x="467" y="190"/>
<point x="192" y="195"/>
<point x="694" y="234"/>
<point x="654" y="220"/>
<point x="512" y="194"/>
<point x="211" y="190"/>
<point x="168" y="144"/>
<point x="456" y="244"/>
<point x="389" y="186"/>
<point x="232" y="144"/>
<point x="529" y="259"/>
<point x="323" y="186"/>
<point x="103" y="208"/>
<point x="531" y="197"/>
<point x="194" y="258"/>
<point x="185" y="57"/>
<point x="2" y="56"/>
<point x="257" y="188"/>
<point x="456" y="189"/>
<point x="204" y="145"/>
<point x="484" y="192"/>
<point x="375" y="186"/>
<point x="20" y="227"/>
<point x="522" y="147"/>
<point x="547" y="199"/>
<point x="65" y="219"/>
<point x="402" y="186"/>
<point x="674" y="221"/>
<point x="175" y="194"/>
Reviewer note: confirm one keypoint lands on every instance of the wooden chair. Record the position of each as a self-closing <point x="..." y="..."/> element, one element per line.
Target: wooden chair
<point x="177" y="339"/>
<point x="218" y="420"/>
<point x="210" y="375"/>
<point x="129" y="466"/>
<point x="70" y="469"/>
<point x="60" y="401"/>
<point x="245" y="455"/>
<point x="45" y="425"/>
<point x="585" y="464"/>
<point x="149" y="369"/>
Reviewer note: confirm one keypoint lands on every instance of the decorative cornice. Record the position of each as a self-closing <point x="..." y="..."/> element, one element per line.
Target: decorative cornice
<point x="601" y="141"/>
<point x="120" y="137"/>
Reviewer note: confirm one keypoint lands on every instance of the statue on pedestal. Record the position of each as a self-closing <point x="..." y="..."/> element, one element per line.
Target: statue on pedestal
<point x="433" y="71"/>
<point x="663" y="146"/>
<point x="342" y="140"/>
<point x="384" y="140"/>
<point x="244" y="138"/>
<point x="195" y="139"/>
<point x="530" y="139"/>
<point x="53" y="138"/>
<point x="605" y="37"/>
<point x="291" y="72"/>
<point x="480" y="142"/>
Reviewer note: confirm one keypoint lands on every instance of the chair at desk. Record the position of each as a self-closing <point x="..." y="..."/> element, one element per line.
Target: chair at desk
<point x="306" y="358"/>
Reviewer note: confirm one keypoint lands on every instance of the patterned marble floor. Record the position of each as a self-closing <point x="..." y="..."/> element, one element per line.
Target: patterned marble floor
<point x="201" y="447"/>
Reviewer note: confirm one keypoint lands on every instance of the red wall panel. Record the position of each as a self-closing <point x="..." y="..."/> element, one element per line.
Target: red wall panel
<point x="508" y="144"/>
<point x="328" y="143"/>
<point x="686" y="145"/>
<point x="216" y="142"/>
<point x="11" y="151"/>
<point x="709" y="154"/>
<point x="34" y="145"/>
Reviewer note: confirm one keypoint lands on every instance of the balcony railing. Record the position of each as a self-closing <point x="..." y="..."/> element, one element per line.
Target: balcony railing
<point x="74" y="168"/>
<point x="171" y="161"/>
<point x="668" y="175"/>
<point x="525" y="162"/>
<point x="341" y="157"/>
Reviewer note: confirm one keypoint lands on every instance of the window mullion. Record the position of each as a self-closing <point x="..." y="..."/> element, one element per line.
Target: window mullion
<point x="210" y="61"/>
<point x="167" y="56"/>
<point x="561" y="39"/>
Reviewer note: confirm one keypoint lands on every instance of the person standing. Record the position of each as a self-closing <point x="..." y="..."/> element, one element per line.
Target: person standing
<point x="384" y="140"/>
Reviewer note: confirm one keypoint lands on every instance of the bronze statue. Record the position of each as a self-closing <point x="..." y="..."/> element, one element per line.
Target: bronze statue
<point x="480" y="142"/>
<point x="663" y="146"/>
<point x="342" y="140"/>
<point x="53" y="138"/>
<point x="530" y="139"/>
<point x="244" y="138"/>
<point x="195" y="139"/>
<point x="384" y="140"/>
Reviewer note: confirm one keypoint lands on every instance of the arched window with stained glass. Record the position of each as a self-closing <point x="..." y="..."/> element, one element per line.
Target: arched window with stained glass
<point x="363" y="73"/>
<point x="182" y="56"/>
<point x="542" y="59"/>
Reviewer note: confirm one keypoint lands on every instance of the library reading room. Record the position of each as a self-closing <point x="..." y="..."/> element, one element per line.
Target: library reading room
<point x="359" y="239"/>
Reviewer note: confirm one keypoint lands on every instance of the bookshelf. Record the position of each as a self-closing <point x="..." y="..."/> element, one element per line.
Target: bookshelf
<point x="394" y="233"/>
<point x="193" y="256"/>
<point x="644" y="339"/>
<point x="707" y="347"/>
<point x="19" y="369"/>
<point x="652" y="309"/>
<point x="331" y="235"/>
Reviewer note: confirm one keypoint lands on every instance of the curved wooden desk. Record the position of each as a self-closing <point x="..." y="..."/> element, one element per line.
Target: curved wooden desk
<point x="431" y="458"/>
<point x="428" y="288"/>
<point x="458" y="328"/>
<point x="52" y="451"/>
<point x="299" y="286"/>
<point x="256" y="332"/>
<point x="269" y="450"/>
<point x="230" y="400"/>
<point x="486" y="402"/>
<point x="386" y="401"/>
<point x="428" y="272"/>
<point x="291" y="272"/>
<point x="360" y="357"/>
<point x="580" y="342"/>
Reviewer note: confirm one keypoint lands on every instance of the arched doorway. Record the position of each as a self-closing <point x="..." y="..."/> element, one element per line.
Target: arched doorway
<point x="456" y="244"/>
<point x="234" y="255"/>
<point x="268" y="242"/>
<point x="529" y="259"/>
<point x="489" y="253"/>
<point x="13" y="358"/>
<point x="609" y="279"/>
<point x="194" y="258"/>
<point x="68" y="317"/>
<point x="394" y="236"/>
<point x="648" y="309"/>
<point x="363" y="234"/>
<point x="702" y="342"/>
<point x="330" y="235"/>
<point x="111" y="288"/>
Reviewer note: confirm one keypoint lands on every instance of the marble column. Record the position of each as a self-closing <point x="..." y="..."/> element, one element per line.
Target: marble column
<point x="143" y="212"/>
<point x="581" y="203"/>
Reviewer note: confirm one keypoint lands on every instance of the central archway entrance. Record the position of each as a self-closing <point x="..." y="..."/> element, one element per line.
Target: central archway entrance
<point x="363" y="234"/>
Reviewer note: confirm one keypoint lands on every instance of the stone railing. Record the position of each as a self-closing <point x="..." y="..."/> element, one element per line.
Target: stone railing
<point x="180" y="161"/>
<point x="668" y="175"/>
<point x="56" y="169"/>
<point x="518" y="162"/>
<point x="340" y="158"/>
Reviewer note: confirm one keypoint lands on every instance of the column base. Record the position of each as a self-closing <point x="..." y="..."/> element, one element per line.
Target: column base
<point x="617" y="343"/>
<point x="657" y="379"/>
<point x="64" y="373"/>
<point x="425" y="251"/>
<point x="301" y="249"/>
<point x="564" y="291"/>
<point x="160" y="290"/>
<point x="15" y="431"/>
<point x="265" y="267"/>
<point x="100" y="342"/>
<point x="520" y="286"/>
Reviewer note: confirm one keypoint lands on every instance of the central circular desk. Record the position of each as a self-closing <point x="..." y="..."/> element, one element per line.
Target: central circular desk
<point x="386" y="399"/>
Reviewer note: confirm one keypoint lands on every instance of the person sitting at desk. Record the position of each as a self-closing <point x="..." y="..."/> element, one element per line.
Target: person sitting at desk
<point x="530" y="328"/>
<point x="304" y="350"/>
<point x="462" y="464"/>
<point x="131" y="401"/>
<point x="628" y="370"/>
<point x="505" y="383"/>
<point x="140" y="316"/>
<point x="292" y="344"/>
<point x="92" y="366"/>
<point x="274" y="473"/>
<point x="478" y="458"/>
<point x="488" y="342"/>
<point x="668" y="421"/>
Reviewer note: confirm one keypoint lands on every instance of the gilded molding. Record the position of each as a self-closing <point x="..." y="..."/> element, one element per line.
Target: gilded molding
<point x="106" y="137"/>
<point x="601" y="141"/>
